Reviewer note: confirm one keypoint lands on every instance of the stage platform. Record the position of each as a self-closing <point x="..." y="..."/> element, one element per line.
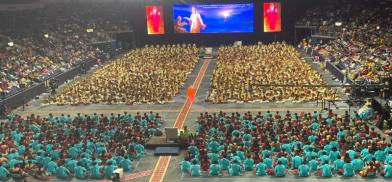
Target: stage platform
<point x="160" y="141"/>
<point x="174" y="151"/>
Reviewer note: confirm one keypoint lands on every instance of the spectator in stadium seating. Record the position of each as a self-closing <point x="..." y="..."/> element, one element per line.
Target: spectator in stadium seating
<point x="361" y="44"/>
<point x="48" y="41"/>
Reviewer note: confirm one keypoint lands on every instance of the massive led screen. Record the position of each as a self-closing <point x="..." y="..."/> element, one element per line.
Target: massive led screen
<point x="213" y="18"/>
<point x="272" y="17"/>
<point x="155" y="20"/>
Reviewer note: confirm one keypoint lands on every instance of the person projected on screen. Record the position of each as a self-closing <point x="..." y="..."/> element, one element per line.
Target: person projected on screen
<point x="155" y="19"/>
<point x="272" y="13"/>
<point x="179" y="26"/>
<point x="195" y="21"/>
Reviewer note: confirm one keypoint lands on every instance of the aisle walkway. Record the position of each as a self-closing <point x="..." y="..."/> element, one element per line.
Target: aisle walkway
<point x="164" y="161"/>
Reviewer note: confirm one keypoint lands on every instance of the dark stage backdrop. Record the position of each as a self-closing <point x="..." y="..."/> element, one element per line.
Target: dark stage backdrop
<point x="291" y="11"/>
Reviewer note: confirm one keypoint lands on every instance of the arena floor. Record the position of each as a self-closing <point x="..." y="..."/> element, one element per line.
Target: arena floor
<point x="167" y="169"/>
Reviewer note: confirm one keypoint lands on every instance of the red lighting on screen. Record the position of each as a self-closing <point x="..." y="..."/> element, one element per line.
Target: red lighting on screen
<point x="272" y="17"/>
<point x="155" y="22"/>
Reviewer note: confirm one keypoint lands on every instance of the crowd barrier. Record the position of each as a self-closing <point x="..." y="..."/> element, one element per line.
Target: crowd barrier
<point x="335" y="71"/>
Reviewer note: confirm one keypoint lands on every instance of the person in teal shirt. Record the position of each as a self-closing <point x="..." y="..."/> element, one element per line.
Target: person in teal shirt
<point x="213" y="157"/>
<point x="388" y="148"/>
<point x="338" y="163"/>
<point x="52" y="167"/>
<point x="388" y="170"/>
<point x="80" y="172"/>
<point x="348" y="169"/>
<point x="193" y="150"/>
<point x="241" y="154"/>
<point x="247" y="140"/>
<point x="284" y="161"/>
<point x="235" y="169"/>
<point x="126" y="164"/>
<point x="287" y="147"/>
<point x="63" y="173"/>
<point x="213" y="146"/>
<point x="379" y="155"/>
<point x="261" y="169"/>
<point x="341" y="135"/>
<point x="249" y="164"/>
<point x="310" y="154"/>
<point x="224" y="163"/>
<point x="267" y="115"/>
<point x="315" y="114"/>
<point x="4" y="173"/>
<point x="108" y="169"/>
<point x="296" y="161"/>
<point x="195" y="169"/>
<point x="333" y="154"/>
<point x="357" y="164"/>
<point x="214" y="169"/>
<point x="140" y="150"/>
<point x="324" y="157"/>
<point x="326" y="170"/>
<point x="85" y="161"/>
<point x="303" y="170"/>
<point x="268" y="162"/>
<point x="315" y="126"/>
<point x="185" y="165"/>
<point x="71" y="165"/>
<point x="280" y="170"/>
<point x="95" y="171"/>
<point x="351" y="153"/>
<point x="313" y="164"/>
<point x="21" y="149"/>
<point x="265" y="153"/>
<point x="388" y="158"/>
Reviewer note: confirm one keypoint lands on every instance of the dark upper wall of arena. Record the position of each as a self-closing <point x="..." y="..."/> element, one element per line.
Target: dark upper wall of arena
<point x="291" y="11"/>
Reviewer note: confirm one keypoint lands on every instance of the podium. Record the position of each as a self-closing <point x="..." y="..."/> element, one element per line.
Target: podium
<point x="169" y="138"/>
<point x="171" y="134"/>
<point x="208" y="53"/>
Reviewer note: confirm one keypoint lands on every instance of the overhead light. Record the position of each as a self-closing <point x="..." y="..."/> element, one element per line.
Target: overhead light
<point x="378" y="27"/>
<point x="46" y="35"/>
<point x="89" y="30"/>
<point x="338" y="23"/>
<point x="11" y="44"/>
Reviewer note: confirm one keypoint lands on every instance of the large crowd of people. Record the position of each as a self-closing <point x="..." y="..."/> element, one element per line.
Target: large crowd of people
<point x="152" y="74"/>
<point x="277" y="144"/>
<point x="52" y="39"/>
<point x="273" y="72"/>
<point x="363" y="40"/>
<point x="81" y="146"/>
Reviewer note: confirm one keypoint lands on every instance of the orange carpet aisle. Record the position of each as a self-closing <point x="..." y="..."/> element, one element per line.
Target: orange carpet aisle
<point x="163" y="161"/>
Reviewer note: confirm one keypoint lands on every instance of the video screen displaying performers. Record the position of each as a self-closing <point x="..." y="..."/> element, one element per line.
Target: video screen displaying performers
<point x="272" y="17"/>
<point x="155" y="20"/>
<point x="213" y="18"/>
